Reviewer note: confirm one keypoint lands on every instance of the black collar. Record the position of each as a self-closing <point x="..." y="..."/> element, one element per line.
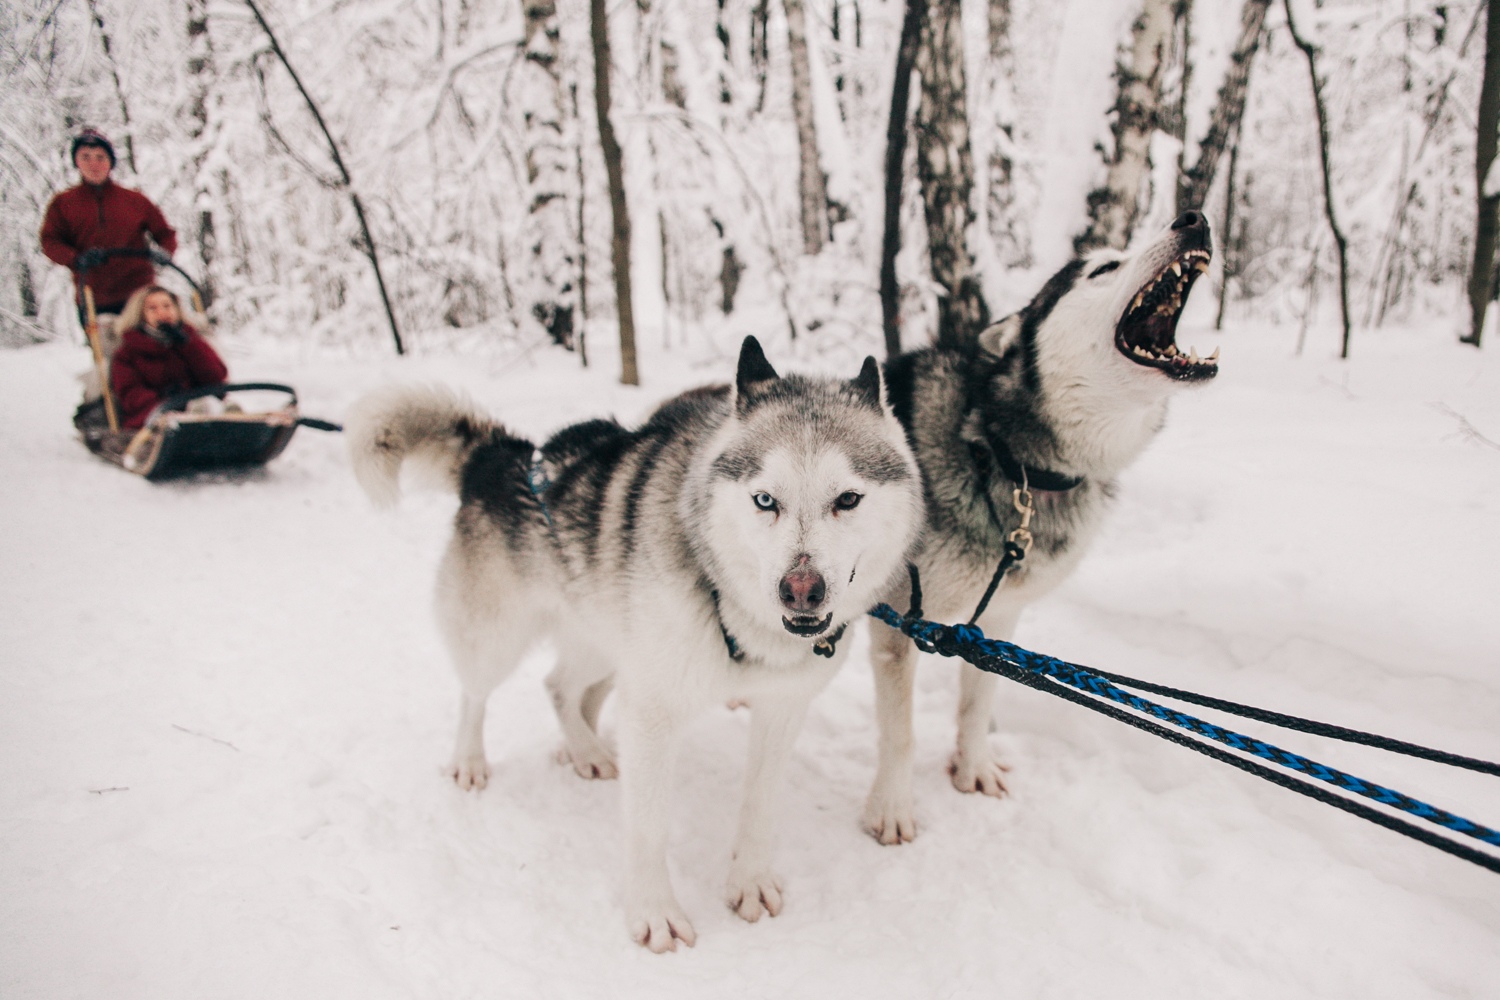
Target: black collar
<point x="823" y="647"/>
<point x="1031" y="478"/>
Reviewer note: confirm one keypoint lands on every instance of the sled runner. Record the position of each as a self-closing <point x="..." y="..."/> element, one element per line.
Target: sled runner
<point x="195" y="429"/>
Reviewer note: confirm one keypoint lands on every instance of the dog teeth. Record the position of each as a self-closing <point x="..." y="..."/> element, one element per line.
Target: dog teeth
<point x="1177" y="268"/>
<point x="1215" y="355"/>
<point x="1171" y="351"/>
<point x="1192" y="355"/>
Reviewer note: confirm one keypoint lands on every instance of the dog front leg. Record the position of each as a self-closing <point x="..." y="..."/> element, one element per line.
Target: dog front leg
<point x="648" y="743"/>
<point x="889" y="814"/>
<point x="754" y="887"/>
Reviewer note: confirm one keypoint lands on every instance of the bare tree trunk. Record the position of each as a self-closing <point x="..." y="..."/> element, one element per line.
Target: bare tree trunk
<point x="1193" y="183"/>
<point x="1482" y="275"/>
<point x="1339" y="242"/>
<point x="760" y="48"/>
<point x="1115" y="207"/>
<point x="583" y="233"/>
<point x="1007" y="181"/>
<point x="338" y="161"/>
<point x="945" y="166"/>
<point x="114" y="73"/>
<point x="811" y="187"/>
<point x="1230" y="256"/>
<point x="552" y="268"/>
<point x="895" y="170"/>
<point x="615" y="170"/>
<point x="201" y="79"/>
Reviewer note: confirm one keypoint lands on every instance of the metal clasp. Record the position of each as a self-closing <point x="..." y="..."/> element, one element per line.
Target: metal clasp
<point x="1021" y="498"/>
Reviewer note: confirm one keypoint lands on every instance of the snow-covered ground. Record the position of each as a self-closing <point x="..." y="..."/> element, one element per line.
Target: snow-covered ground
<point x="224" y="708"/>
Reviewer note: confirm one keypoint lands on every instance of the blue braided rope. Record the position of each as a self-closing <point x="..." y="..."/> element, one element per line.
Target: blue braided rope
<point x="959" y="640"/>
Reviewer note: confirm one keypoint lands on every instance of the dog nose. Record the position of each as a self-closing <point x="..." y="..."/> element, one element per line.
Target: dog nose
<point x="1190" y="220"/>
<point x="802" y="590"/>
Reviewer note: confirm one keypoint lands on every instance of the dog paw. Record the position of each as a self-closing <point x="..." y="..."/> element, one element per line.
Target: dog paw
<point x="660" y="927"/>
<point x="590" y="764"/>
<point x="890" y="819"/>
<point x="753" y="894"/>
<point x="985" y="774"/>
<point x="470" y="773"/>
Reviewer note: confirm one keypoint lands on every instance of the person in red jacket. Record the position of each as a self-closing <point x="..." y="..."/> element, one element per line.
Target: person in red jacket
<point x="97" y="215"/>
<point x="159" y="355"/>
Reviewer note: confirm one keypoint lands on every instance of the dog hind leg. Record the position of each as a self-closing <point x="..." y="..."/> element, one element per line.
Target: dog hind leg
<point x="578" y="694"/>
<point x="648" y="744"/>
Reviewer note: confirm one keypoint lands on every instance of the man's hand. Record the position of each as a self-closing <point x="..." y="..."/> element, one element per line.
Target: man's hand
<point x="90" y="259"/>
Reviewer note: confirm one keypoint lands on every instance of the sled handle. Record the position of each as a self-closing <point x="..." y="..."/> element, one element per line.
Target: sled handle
<point x="91" y="330"/>
<point x="178" y="400"/>
<point x="161" y="260"/>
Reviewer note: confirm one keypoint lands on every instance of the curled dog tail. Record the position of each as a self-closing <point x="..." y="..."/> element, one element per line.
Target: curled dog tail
<point x="434" y="428"/>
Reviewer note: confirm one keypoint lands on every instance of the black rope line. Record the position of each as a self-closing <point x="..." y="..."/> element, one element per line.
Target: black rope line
<point x="1308" y="725"/>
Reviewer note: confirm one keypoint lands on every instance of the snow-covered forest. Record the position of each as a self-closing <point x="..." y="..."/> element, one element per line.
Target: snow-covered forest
<point x="225" y="705"/>
<point x="469" y="133"/>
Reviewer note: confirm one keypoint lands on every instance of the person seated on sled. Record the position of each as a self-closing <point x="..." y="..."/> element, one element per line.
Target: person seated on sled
<point x="159" y="355"/>
<point x="96" y="215"/>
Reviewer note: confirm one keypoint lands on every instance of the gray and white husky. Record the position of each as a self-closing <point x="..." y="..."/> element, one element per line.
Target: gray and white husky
<point x="1059" y="397"/>
<point x="715" y="553"/>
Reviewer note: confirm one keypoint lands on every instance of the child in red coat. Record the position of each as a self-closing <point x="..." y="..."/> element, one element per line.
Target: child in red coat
<point x="158" y="356"/>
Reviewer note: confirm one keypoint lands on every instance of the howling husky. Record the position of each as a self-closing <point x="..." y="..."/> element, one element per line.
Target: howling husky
<point x="1058" y="399"/>
<point x="718" y="552"/>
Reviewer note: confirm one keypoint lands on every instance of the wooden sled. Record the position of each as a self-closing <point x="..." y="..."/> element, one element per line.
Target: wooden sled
<point x="175" y="441"/>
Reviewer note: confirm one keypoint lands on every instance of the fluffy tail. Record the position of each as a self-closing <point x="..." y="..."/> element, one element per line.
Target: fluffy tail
<point x="434" y="428"/>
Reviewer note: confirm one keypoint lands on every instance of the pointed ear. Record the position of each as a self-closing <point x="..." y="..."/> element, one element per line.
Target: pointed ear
<point x="1002" y="336"/>
<point x="867" y="384"/>
<point x="753" y="372"/>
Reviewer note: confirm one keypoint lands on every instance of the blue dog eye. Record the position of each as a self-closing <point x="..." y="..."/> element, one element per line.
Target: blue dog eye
<point x="764" y="501"/>
<point x="1104" y="268"/>
<point x="847" y="500"/>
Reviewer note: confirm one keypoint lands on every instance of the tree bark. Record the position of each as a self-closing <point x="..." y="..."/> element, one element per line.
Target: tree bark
<point x="1482" y="275"/>
<point x="895" y="170"/>
<point x="1115" y="207"/>
<point x="1193" y="183"/>
<point x="811" y="187"/>
<point x="615" y="171"/>
<point x="552" y="266"/>
<point x="945" y="166"/>
<point x="1339" y="242"/>
<point x="114" y="73"/>
<point x="201" y="79"/>
<point x="338" y="162"/>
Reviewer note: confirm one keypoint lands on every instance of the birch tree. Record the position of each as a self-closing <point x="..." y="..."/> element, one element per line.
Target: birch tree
<point x="200" y="86"/>
<point x="1115" y="207"/>
<point x="945" y="167"/>
<point x="811" y="189"/>
<point x="1194" y="182"/>
<point x="552" y="272"/>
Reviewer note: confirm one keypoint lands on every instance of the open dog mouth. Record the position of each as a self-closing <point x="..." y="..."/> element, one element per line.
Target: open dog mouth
<point x="1147" y="333"/>
<point x="807" y="625"/>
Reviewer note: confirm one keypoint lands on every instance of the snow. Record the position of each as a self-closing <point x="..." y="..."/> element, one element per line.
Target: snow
<point x="224" y="709"/>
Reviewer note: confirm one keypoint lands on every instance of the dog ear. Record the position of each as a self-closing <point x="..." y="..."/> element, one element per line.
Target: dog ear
<point x="1002" y="336"/>
<point x="753" y="373"/>
<point x="867" y="384"/>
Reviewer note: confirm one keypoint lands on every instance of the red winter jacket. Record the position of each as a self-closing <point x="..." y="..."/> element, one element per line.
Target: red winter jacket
<point x="144" y="371"/>
<point x="107" y="217"/>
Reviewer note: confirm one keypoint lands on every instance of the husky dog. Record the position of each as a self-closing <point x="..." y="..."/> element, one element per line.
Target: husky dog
<point x="716" y="553"/>
<point x="1058" y="399"/>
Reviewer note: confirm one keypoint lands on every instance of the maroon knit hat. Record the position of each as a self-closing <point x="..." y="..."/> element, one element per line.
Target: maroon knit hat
<point x="91" y="137"/>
